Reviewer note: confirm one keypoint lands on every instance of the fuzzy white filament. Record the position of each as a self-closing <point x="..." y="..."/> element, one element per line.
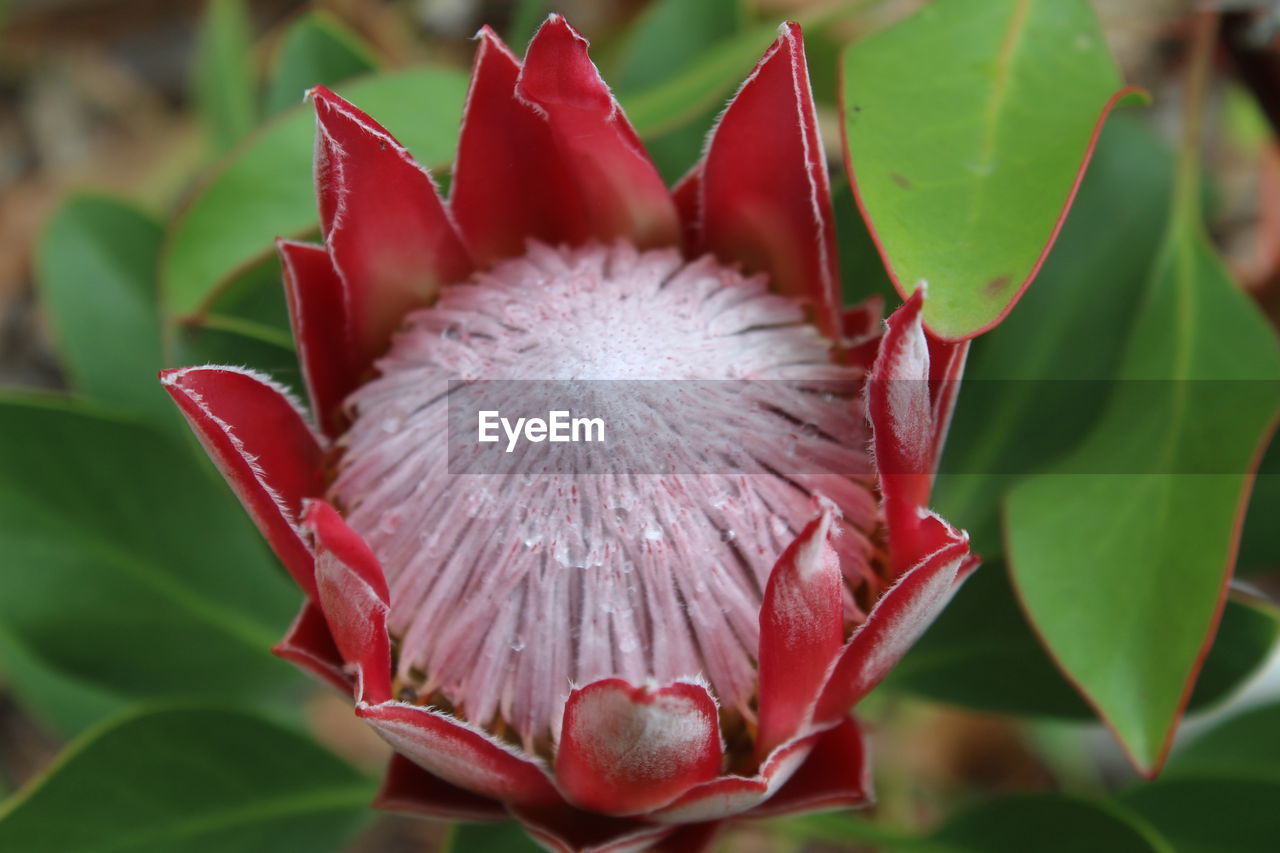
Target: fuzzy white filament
<point x="508" y="588"/>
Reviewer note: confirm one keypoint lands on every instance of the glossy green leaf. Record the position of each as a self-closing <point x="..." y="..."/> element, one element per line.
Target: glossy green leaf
<point x="130" y="570"/>
<point x="224" y="339"/>
<point x="982" y="654"/>
<point x="525" y="20"/>
<point x="707" y="83"/>
<point x="1211" y="815"/>
<point x="96" y="270"/>
<point x="62" y="700"/>
<point x="1048" y="823"/>
<point x="1142" y="558"/>
<point x="1014" y="415"/>
<point x="1244" y="642"/>
<point x="248" y="325"/>
<point x="1244" y="746"/>
<point x="264" y="189"/>
<point x="967" y="126"/>
<point x="862" y="273"/>
<point x="477" y="837"/>
<point x="224" y="84"/>
<point x="254" y="298"/>
<point x="704" y="85"/>
<point x="187" y="780"/>
<point x="1044" y="823"/>
<point x="667" y="36"/>
<point x="316" y="49"/>
<point x="1260" y="540"/>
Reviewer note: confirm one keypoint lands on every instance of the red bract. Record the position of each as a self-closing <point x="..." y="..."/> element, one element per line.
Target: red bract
<point x="730" y="693"/>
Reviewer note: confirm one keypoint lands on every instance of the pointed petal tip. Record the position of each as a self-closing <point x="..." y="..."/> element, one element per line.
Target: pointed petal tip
<point x="332" y="532"/>
<point x="321" y="93"/>
<point x="488" y="37"/>
<point x="801" y="631"/>
<point x="558" y="70"/>
<point x="790" y="30"/>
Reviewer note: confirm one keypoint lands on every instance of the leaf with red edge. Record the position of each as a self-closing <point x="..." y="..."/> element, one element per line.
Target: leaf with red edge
<point x="1144" y="557"/>
<point x="971" y="199"/>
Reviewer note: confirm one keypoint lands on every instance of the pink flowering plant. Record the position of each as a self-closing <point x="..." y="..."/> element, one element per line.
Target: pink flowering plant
<point x="770" y="285"/>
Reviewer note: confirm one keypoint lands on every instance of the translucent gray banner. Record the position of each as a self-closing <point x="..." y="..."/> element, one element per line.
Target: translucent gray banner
<point x="802" y="427"/>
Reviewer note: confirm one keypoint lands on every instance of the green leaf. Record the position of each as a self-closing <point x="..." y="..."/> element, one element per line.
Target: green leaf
<point x="224" y="85"/>
<point x="188" y="780"/>
<point x="316" y="49"/>
<point x="61" y="699"/>
<point x="1047" y="823"/>
<point x="498" y="837"/>
<point x="1244" y="746"/>
<point x="525" y="20"/>
<point x="254" y="297"/>
<point x="1010" y="420"/>
<point x="1245" y="639"/>
<point x="706" y="83"/>
<point x="967" y="126"/>
<point x="264" y="189"/>
<point x="96" y="270"/>
<point x="1211" y="815"/>
<point x="667" y="36"/>
<point x="1260" y="540"/>
<point x="862" y="273"/>
<point x="981" y="653"/>
<point x="704" y="86"/>
<point x="132" y="572"/>
<point x="225" y="339"/>
<point x="248" y="325"/>
<point x="1123" y="574"/>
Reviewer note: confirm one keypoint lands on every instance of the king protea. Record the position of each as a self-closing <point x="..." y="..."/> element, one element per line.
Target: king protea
<point x="618" y="662"/>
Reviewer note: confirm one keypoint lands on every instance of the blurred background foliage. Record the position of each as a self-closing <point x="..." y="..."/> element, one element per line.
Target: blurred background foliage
<point x="150" y="151"/>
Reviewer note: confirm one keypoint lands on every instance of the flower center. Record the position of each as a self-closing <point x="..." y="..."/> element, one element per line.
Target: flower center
<point x="508" y="588"/>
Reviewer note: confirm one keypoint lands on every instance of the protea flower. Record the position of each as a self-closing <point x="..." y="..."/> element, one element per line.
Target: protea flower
<point x="620" y="662"/>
